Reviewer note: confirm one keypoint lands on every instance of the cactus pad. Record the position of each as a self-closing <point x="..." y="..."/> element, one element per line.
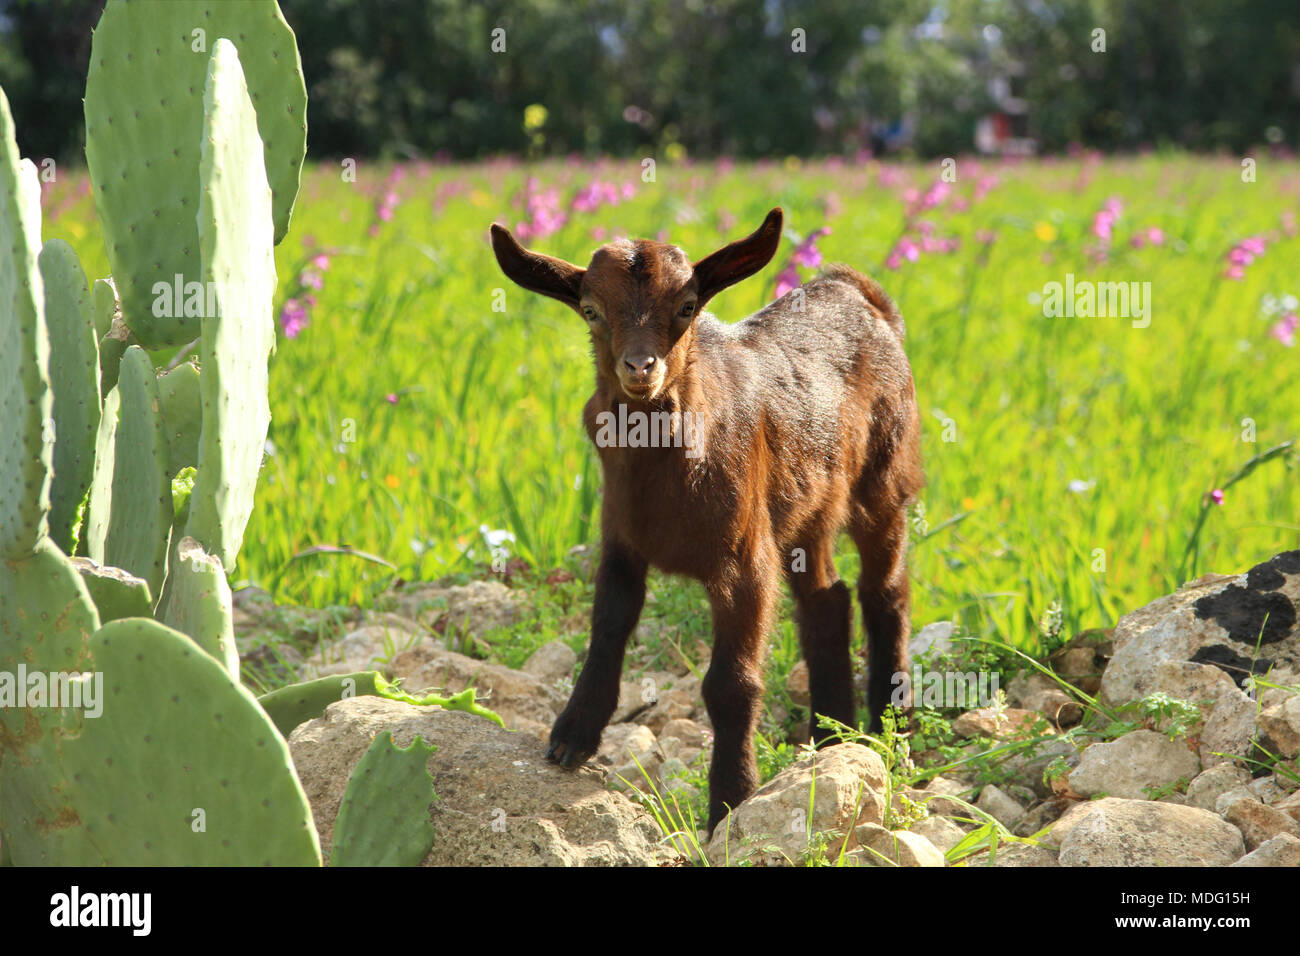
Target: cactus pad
<point x="197" y="603"/>
<point x="182" y="413"/>
<point x="116" y="593"/>
<point x="74" y="382"/>
<point x="144" y="124"/>
<point x="384" y="817"/>
<point x="26" y="439"/>
<point x="236" y="243"/>
<point x="140" y="503"/>
<point x="181" y="768"/>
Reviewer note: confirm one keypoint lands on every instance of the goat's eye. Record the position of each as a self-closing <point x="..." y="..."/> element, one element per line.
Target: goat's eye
<point x="590" y="314"/>
<point x="687" y="310"/>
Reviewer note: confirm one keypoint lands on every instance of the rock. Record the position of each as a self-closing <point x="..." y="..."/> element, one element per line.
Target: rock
<point x="689" y="733"/>
<point x="796" y="684"/>
<point x="1140" y="759"/>
<point x="933" y="639"/>
<point x="1015" y="855"/>
<point x="1000" y="806"/>
<point x="1229" y="730"/>
<point x="1056" y="705"/>
<point x="1266" y="789"/>
<point x="1279" y="726"/>
<point x="940" y="831"/>
<point x="672" y="705"/>
<point x="1259" y="823"/>
<point x="1232" y="796"/>
<point x="551" y="662"/>
<point x="1290" y="806"/>
<point x="1082" y="659"/>
<point x="934" y="795"/>
<point x="463" y="610"/>
<point x="1010" y="722"/>
<point x="1281" y="850"/>
<point x="1041" y="815"/>
<point x="1206" y="788"/>
<point x="366" y="648"/>
<point x="498" y="803"/>
<point x="898" y="848"/>
<point x="621" y="742"/>
<point x="1215" y="620"/>
<point x="524" y="702"/>
<point x="633" y="700"/>
<point x="1025" y="685"/>
<point x="1031" y="764"/>
<point x="772" y="826"/>
<point x="1118" y="832"/>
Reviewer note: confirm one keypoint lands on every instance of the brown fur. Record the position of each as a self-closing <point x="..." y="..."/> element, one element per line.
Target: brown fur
<point x="807" y="424"/>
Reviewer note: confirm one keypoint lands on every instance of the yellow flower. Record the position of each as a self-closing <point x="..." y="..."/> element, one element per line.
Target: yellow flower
<point x="968" y="504"/>
<point x="391" y="481"/>
<point x="1045" y="231"/>
<point x="534" y="117"/>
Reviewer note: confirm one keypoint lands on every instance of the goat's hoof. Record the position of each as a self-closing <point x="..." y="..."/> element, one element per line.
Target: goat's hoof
<point x="570" y="745"/>
<point x="567" y="755"/>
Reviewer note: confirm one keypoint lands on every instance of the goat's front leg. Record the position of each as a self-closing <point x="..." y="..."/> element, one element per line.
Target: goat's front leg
<point x="733" y="687"/>
<point x="620" y="592"/>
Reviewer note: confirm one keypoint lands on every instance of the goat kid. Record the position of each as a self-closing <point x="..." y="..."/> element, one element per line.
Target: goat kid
<point x="804" y="421"/>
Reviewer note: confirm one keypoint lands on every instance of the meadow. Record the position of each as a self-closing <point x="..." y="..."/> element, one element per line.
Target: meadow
<point x="425" y="410"/>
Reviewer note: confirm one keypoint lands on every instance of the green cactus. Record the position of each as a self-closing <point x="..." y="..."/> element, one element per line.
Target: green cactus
<point x="297" y="703"/>
<point x="197" y="603"/>
<point x="99" y="503"/>
<point x="74" y="381"/>
<point x="182" y="414"/>
<point x="114" y="336"/>
<point x="26" y="402"/>
<point x="236" y="245"/>
<point x="116" y="593"/>
<point x="144" y="126"/>
<point x="138" y="503"/>
<point x="104" y="305"/>
<point x="181" y="767"/>
<point x="384" y="817"/>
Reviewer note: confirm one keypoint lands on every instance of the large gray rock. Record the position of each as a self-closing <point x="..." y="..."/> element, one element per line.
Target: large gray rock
<point x="1116" y="832"/>
<point x="1206" y="789"/>
<point x="1217" y="620"/>
<point x="551" y="663"/>
<point x="498" y="801"/>
<point x="1139" y="759"/>
<point x="1259" y="824"/>
<point x="772" y="826"/>
<point x="1281" y="850"/>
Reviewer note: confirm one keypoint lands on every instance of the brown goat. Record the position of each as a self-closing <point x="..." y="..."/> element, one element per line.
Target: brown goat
<point x="785" y="428"/>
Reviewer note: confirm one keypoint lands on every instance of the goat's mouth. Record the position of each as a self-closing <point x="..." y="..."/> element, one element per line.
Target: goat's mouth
<point x="641" y="391"/>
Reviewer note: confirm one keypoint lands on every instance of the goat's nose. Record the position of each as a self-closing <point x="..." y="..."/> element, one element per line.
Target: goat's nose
<point x="640" y="364"/>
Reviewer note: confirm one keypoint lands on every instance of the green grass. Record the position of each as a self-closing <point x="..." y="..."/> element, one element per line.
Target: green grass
<point x="486" y="430"/>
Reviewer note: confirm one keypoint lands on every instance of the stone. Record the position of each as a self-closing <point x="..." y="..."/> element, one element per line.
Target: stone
<point x="1290" y="806"/>
<point x="773" y="825"/>
<point x="1259" y="823"/>
<point x="688" y="732"/>
<point x="1127" y="766"/>
<point x="796" y="684"/>
<point x="1015" y="855"/>
<point x="1041" y="815"/>
<point x="940" y="831"/>
<point x="934" y="795"/>
<point x="1206" y="788"/>
<point x="898" y="847"/>
<point x="498" y="801"/>
<point x="1006" y="724"/>
<point x="1279" y="726"/>
<point x="620" y="742"/>
<point x="366" y="648"/>
<point x="464" y="610"/>
<point x="524" y="702"/>
<point x="1056" y="705"/>
<point x="933" y="639"/>
<point x="1119" y="832"/>
<point x="1000" y="806"/>
<point x="552" y="662"/>
<point x="1217" y="620"/>
<point x="1281" y="850"/>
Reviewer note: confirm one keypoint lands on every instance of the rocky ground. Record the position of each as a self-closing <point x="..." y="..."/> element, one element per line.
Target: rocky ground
<point x="1170" y="740"/>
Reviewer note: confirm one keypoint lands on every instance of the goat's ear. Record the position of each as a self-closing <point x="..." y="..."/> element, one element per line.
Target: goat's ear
<point x="739" y="260"/>
<point x="545" y="275"/>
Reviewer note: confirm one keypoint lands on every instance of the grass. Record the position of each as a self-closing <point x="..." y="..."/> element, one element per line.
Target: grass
<point x="430" y="403"/>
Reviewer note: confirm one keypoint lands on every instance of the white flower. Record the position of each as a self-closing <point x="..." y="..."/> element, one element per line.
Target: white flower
<point x="1078" y="486"/>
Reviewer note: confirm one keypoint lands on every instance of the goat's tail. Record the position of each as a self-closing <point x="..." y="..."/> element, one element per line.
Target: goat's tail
<point x="879" y="300"/>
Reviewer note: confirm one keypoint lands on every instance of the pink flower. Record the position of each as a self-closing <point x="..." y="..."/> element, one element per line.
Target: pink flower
<point x="321" y="262"/>
<point x="1285" y="329"/>
<point x="1217" y="496"/>
<point x="391" y="398"/>
<point x="787" y="279"/>
<point x="293" y="318"/>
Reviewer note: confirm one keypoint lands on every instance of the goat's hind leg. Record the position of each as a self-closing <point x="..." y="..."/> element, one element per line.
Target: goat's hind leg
<point x="620" y="594"/>
<point x="885" y="593"/>
<point x="824" y="618"/>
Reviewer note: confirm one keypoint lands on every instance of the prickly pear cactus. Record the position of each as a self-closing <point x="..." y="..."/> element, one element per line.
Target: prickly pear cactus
<point x="26" y="439"/>
<point x="116" y="593"/>
<point x="198" y="603"/>
<point x="144" y="124"/>
<point x="384" y="817"/>
<point x="182" y="414"/>
<point x="139" y="502"/>
<point x="180" y="768"/>
<point x="74" y="381"/>
<point x="236" y="244"/>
